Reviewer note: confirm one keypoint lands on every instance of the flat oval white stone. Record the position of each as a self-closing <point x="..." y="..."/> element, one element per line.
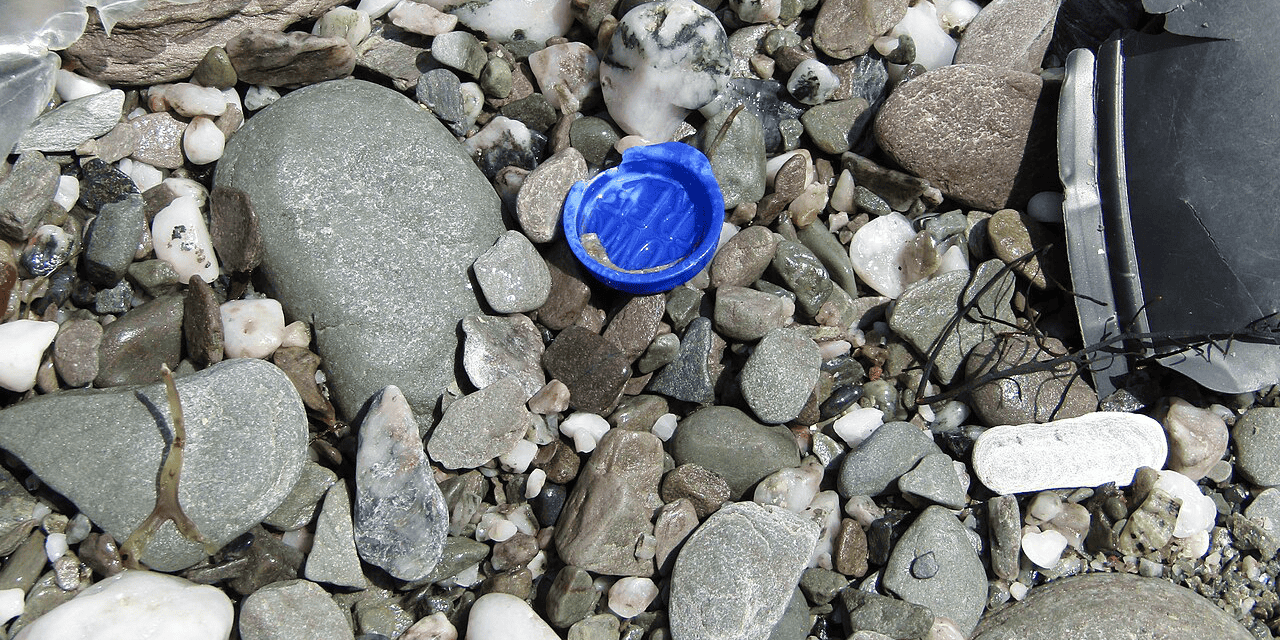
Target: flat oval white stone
<point x="22" y="343"/>
<point x="138" y="604"/>
<point x="203" y="141"/>
<point x="1087" y="451"/>
<point x="502" y="616"/>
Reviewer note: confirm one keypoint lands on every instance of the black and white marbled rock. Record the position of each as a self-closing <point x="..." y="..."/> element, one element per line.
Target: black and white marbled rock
<point x="665" y="59"/>
<point x="513" y="21"/>
<point x="401" y="519"/>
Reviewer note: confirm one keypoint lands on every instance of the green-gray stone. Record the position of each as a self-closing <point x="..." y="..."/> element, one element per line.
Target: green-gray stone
<point x="959" y="589"/>
<point x="299" y="507"/>
<point x="795" y="622"/>
<point x="102" y="450"/>
<point x="593" y="137"/>
<point x="458" y="554"/>
<point x="835" y="126"/>
<point x="803" y="274"/>
<point x="726" y="441"/>
<point x="361" y="194"/>
<point x="1111" y="605"/>
<point x="833" y="255"/>
<point x="737" y="154"/>
<point x="215" y="70"/>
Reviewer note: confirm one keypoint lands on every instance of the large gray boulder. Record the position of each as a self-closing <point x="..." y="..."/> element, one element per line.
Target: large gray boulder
<point x="102" y="449"/>
<point x="371" y="214"/>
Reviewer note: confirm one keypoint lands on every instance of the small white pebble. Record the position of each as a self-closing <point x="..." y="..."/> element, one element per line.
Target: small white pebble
<point x="422" y="18"/>
<point x="955" y="15"/>
<point x="538" y="565"/>
<point x="144" y="176"/>
<point x="41" y="509"/>
<point x="55" y="546"/>
<point x="22" y="346"/>
<point x="203" y="141"/>
<point x="926" y="413"/>
<point x="72" y="85"/>
<point x="296" y="334"/>
<point x="188" y="187"/>
<point x="502" y="530"/>
<point x="953" y="259"/>
<point x="586" y="429"/>
<point x="944" y="629"/>
<point x="12" y="604"/>
<point x="68" y="192"/>
<point x="518" y="459"/>
<point x="833" y="348"/>
<point x="863" y="509"/>
<point x="842" y="198"/>
<point x="433" y="627"/>
<point x="468" y="577"/>
<point x="78" y="529"/>
<point x="1197" y="513"/>
<point x="251" y="328"/>
<point x="376" y="8"/>
<point x="1018" y="590"/>
<point x="792" y="488"/>
<point x="1044" y="507"/>
<point x="259" y="96"/>
<point x="630" y="596"/>
<point x="665" y="426"/>
<point x="299" y="539"/>
<point x="533" y="486"/>
<point x="858" y="425"/>
<point x="191" y="100"/>
<point x="1194" y="546"/>
<point x="1044" y="548"/>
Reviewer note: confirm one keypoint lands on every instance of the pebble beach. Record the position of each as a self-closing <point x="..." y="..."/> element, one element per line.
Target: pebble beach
<point x="401" y="406"/>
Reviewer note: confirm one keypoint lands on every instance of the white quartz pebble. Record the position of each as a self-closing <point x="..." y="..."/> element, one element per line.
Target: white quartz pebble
<point x="68" y="192"/>
<point x="202" y="141"/>
<point x="756" y="11"/>
<point x="259" y="96"/>
<point x="55" y="545"/>
<point x="567" y="73"/>
<point x="188" y="187"/>
<point x="1197" y="513"/>
<point x="842" y="194"/>
<point x="22" y="345"/>
<point x="192" y="100"/>
<point x="144" y="176"/>
<point x="812" y="82"/>
<point x="630" y="596"/>
<point x="182" y="240"/>
<point x="251" y="328"/>
<point x="665" y="59"/>
<point x="139" y="605"/>
<point x="1044" y="507"/>
<point x="376" y="8"/>
<point x="502" y="530"/>
<point x="934" y="48"/>
<point x="1044" y="548"/>
<point x="665" y="426"/>
<point x="1086" y="451"/>
<point x="955" y="15"/>
<point x="12" y="603"/>
<point x="518" y="459"/>
<point x="953" y="259"/>
<point x="858" y="425"/>
<point x="533" y="486"/>
<point x="296" y="334"/>
<point x="877" y="249"/>
<point x="502" y="616"/>
<point x="71" y="85"/>
<point x="421" y="18"/>
<point x="349" y="24"/>
<point x="792" y="488"/>
<point x="510" y="20"/>
<point x="586" y="429"/>
<point x="433" y="627"/>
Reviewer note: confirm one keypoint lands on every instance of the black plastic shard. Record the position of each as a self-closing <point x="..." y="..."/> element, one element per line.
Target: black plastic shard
<point x="1169" y="150"/>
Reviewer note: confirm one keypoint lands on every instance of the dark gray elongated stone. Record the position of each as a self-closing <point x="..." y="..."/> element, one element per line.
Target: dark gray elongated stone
<point x="113" y="239"/>
<point x="1111" y="605"/>
<point x="103" y="449"/>
<point x="401" y="519"/>
<point x="337" y="173"/>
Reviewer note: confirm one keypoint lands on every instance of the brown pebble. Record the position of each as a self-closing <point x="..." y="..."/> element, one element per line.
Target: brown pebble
<point x="202" y="323"/>
<point x="518" y="583"/>
<point x="134" y="346"/>
<point x="704" y="488"/>
<point x="553" y="397"/>
<point x="591" y="367"/>
<point x="569" y="290"/>
<point x="635" y="324"/>
<point x="639" y="412"/>
<point x="790" y="180"/>
<point x="514" y="552"/>
<point x="300" y="366"/>
<point x="75" y="352"/>
<point x="233" y="227"/>
<point x="850" y="556"/>
<point x="558" y="461"/>
<point x="743" y="259"/>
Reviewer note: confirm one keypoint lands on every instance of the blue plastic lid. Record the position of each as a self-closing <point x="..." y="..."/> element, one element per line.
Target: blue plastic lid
<point x="649" y="224"/>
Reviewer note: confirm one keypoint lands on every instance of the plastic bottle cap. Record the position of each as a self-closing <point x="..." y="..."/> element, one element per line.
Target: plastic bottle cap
<point x="651" y="223"/>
